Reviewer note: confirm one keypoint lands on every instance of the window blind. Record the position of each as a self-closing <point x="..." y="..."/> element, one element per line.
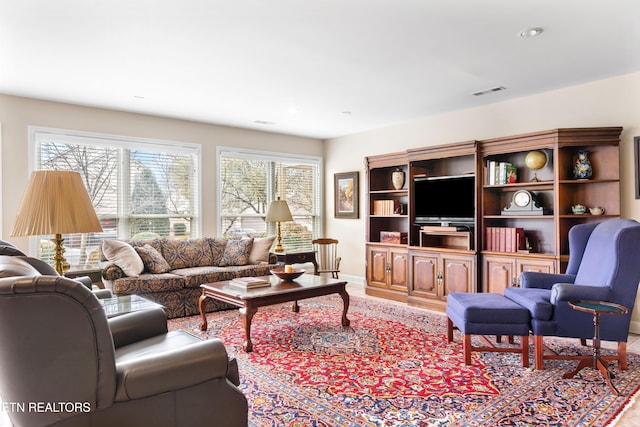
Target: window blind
<point x="139" y="188"/>
<point x="248" y="182"/>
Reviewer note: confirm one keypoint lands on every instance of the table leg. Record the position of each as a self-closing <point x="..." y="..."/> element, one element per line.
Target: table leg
<point x="584" y="363"/>
<point x="247" y="315"/>
<point x="604" y="370"/>
<point x="345" y="300"/>
<point x="203" y="313"/>
<point x="296" y="307"/>
<point x="596" y="361"/>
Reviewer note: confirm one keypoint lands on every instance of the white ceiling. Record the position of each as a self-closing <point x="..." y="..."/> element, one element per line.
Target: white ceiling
<point x="302" y="64"/>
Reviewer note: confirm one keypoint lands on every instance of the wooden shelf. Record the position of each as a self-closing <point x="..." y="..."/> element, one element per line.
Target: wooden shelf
<point x="446" y="239"/>
<point x="504" y="217"/>
<point x="433" y="264"/>
<point x="396" y="192"/>
<point x="530" y="184"/>
<point x="586" y="181"/>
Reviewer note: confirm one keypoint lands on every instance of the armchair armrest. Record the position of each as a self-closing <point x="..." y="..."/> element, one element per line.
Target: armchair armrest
<point x="534" y="279"/>
<point x="137" y="326"/>
<point x="570" y="292"/>
<point x="102" y="293"/>
<point x="171" y="370"/>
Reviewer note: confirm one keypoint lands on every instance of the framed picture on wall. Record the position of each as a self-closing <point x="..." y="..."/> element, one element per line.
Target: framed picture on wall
<point x="346" y="194"/>
<point x="636" y="156"/>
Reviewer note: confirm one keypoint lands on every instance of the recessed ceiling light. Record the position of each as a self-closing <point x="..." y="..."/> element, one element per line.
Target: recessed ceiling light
<point x="264" y="122"/>
<point x="531" y="32"/>
<point x="485" y="91"/>
<point x="138" y="97"/>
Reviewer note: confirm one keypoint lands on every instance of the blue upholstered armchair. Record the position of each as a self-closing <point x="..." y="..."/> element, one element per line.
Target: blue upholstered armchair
<point x="604" y="265"/>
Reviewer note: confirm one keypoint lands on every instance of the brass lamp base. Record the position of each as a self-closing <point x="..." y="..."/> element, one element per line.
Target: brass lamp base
<point x="59" y="261"/>
<point x="279" y="247"/>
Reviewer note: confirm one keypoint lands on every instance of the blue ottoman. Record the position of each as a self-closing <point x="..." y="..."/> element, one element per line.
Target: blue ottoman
<point x="487" y="314"/>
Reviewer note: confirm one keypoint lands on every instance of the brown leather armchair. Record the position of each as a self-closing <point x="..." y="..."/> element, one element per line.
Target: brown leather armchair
<point x="8" y="249"/>
<point x="62" y="363"/>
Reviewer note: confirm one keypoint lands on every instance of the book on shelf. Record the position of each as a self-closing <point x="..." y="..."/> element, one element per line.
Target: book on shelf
<point x="249" y="282"/>
<point x="388" y="207"/>
<point x="501" y="173"/>
<point x="505" y="239"/>
<point x="512" y="174"/>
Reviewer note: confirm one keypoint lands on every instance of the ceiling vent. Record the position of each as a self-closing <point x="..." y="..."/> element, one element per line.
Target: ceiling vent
<point x="493" y="89"/>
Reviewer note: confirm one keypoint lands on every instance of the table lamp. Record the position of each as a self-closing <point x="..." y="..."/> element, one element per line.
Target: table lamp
<point x="278" y="212"/>
<point x="55" y="202"/>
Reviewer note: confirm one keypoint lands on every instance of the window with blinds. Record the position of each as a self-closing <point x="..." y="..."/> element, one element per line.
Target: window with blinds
<point x="248" y="182"/>
<point x="139" y="188"/>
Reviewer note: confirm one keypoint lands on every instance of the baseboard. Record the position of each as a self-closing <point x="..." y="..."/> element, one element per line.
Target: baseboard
<point x="353" y="280"/>
<point x="634" y="327"/>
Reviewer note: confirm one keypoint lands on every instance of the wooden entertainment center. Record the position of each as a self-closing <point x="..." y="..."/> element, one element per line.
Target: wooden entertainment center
<point x="469" y="232"/>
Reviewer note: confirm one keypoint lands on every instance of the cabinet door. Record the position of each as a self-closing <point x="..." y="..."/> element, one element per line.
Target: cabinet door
<point x="377" y="267"/>
<point x="458" y="274"/>
<point x="537" y="265"/>
<point x="398" y="275"/>
<point x="424" y="275"/>
<point x="499" y="273"/>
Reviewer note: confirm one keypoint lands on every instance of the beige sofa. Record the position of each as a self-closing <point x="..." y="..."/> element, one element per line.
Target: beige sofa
<point x="170" y="271"/>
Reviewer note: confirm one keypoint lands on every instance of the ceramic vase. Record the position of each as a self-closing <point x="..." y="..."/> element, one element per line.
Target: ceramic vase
<point x="397" y="179"/>
<point x="582" y="168"/>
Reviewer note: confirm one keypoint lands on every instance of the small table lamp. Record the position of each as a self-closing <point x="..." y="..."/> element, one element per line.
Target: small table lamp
<point x="278" y="212"/>
<point x="55" y="202"/>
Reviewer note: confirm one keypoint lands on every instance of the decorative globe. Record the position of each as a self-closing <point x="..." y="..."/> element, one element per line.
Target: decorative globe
<point x="535" y="160"/>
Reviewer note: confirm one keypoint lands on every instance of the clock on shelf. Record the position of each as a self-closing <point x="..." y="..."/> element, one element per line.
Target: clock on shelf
<point x="524" y="202"/>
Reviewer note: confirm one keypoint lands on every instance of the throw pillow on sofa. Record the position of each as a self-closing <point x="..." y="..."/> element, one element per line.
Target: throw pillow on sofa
<point x="236" y="252"/>
<point x="186" y="253"/>
<point x="124" y="256"/>
<point x="260" y="250"/>
<point x="218" y="245"/>
<point x="153" y="260"/>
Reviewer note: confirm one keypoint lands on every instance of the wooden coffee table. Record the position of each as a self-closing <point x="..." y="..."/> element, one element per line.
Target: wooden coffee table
<point x="305" y="286"/>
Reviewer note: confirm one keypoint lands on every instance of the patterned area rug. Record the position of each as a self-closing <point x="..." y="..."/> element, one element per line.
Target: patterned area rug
<point x="394" y="367"/>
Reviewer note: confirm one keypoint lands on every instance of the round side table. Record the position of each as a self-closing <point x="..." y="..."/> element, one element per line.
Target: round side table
<point x="596" y="308"/>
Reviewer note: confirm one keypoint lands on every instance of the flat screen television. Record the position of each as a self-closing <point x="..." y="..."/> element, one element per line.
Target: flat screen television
<point x="444" y="199"/>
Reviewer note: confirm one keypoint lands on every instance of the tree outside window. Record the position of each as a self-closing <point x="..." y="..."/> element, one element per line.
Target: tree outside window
<point x="136" y="193"/>
<point x="249" y="181"/>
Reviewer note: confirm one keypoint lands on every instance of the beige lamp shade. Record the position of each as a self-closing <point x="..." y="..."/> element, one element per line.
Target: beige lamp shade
<point x="278" y="211"/>
<point x="55" y="202"/>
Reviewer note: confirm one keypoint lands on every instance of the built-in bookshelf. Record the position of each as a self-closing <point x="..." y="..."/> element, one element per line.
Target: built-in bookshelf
<point x="479" y="213"/>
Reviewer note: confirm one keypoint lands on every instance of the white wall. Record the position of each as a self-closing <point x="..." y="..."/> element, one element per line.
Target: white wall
<point x="610" y="102"/>
<point x="17" y="113"/>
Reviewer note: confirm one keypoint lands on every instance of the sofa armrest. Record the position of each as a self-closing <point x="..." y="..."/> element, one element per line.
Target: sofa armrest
<point x="570" y="292"/>
<point x="112" y="272"/>
<point x="172" y="370"/>
<point x="137" y="326"/>
<point x="534" y="279"/>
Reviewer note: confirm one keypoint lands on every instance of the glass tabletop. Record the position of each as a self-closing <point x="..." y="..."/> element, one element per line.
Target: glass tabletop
<point x="602" y="307"/>
<point x="123" y="304"/>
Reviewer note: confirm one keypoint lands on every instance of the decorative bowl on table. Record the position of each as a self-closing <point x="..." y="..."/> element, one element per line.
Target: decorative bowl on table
<point x="288" y="276"/>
